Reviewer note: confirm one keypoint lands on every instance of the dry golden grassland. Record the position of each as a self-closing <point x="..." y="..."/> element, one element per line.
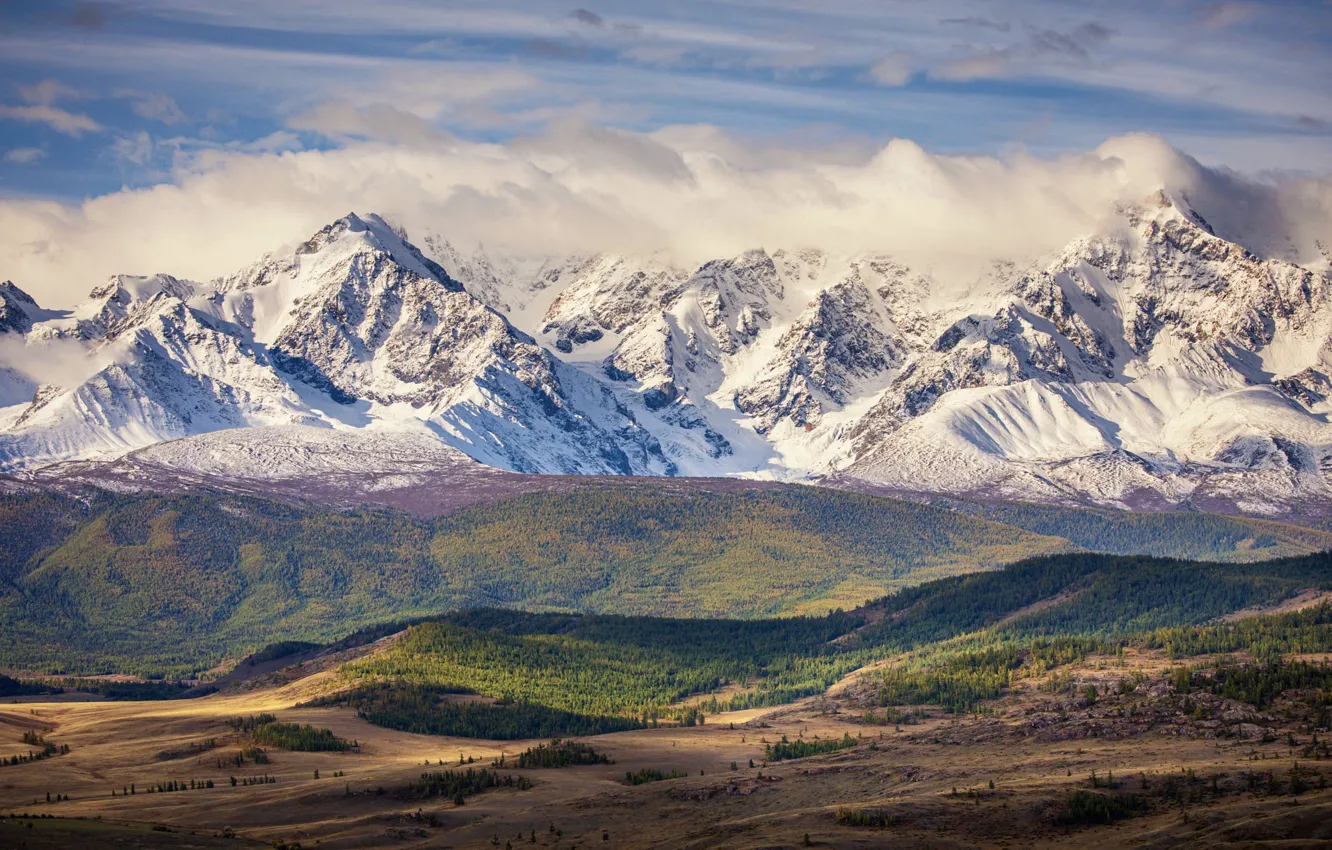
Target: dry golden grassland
<point x="933" y="778"/>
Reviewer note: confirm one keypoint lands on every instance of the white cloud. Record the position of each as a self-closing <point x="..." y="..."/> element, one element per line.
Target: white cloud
<point x="1038" y="52"/>
<point x="154" y="106"/>
<point x="469" y="65"/>
<point x="695" y="192"/>
<point x="994" y="63"/>
<point x="895" y="69"/>
<point x="377" y="121"/>
<point x="46" y="92"/>
<point x="69" y="123"/>
<point x="24" y="156"/>
<point x="134" y="149"/>
<point x="54" y="361"/>
<point x="387" y="17"/>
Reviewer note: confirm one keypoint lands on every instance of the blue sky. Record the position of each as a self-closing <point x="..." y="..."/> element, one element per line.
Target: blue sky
<point x="98" y="96"/>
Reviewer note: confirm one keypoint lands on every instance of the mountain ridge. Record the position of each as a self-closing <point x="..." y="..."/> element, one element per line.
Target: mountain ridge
<point x="1151" y="364"/>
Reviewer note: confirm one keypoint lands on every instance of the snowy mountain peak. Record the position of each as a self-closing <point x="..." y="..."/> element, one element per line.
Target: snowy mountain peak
<point x="10" y="292"/>
<point x="1153" y="361"/>
<point x="354" y="233"/>
<point x="109" y="306"/>
<point x="16" y="309"/>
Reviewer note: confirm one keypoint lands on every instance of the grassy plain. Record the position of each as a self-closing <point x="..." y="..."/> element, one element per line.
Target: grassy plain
<point x="1036" y="747"/>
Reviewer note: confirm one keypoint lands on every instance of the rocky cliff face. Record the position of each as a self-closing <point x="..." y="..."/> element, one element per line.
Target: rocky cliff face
<point x="16" y="307"/>
<point x="1150" y="363"/>
<point x="834" y="344"/>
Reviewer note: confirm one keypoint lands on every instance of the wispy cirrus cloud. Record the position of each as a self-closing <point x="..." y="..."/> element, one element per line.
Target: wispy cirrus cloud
<point x="979" y="22"/>
<point x="374" y="121"/>
<point x="591" y="19"/>
<point x="957" y="75"/>
<point x="24" y="156"/>
<point x="155" y="106"/>
<point x="46" y="92"/>
<point x="60" y="120"/>
<point x="1033" y="54"/>
<point x="91" y="15"/>
<point x="39" y="108"/>
<point x="1227" y="14"/>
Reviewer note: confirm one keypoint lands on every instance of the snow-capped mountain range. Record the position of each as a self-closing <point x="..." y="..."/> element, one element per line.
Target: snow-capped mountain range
<point x="1152" y="363"/>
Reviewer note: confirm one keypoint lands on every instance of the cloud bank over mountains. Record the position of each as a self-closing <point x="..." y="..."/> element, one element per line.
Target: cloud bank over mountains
<point x="690" y="192"/>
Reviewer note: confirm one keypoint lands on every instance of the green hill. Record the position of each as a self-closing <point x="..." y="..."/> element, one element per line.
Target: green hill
<point x="1168" y="535"/>
<point x="172" y="584"/>
<point x="964" y="632"/>
<point x="175" y="584"/>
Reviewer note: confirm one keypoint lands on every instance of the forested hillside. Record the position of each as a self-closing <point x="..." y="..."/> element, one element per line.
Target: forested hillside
<point x="963" y="636"/>
<point x="1167" y="535"/>
<point x="173" y="584"/>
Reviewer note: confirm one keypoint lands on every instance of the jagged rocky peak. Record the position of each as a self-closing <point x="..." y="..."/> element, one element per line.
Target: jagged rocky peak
<point x="1184" y="281"/>
<point x="125" y="289"/>
<point x="975" y="351"/>
<point x="358" y="316"/>
<point x="114" y="305"/>
<point x="838" y="341"/>
<point x="11" y="294"/>
<point x="1176" y="205"/>
<point x="675" y="351"/>
<point x="609" y="292"/>
<point x="16" y="309"/>
<point x="337" y="268"/>
<point x="372" y="233"/>
<point x="374" y="318"/>
<point x="735" y="297"/>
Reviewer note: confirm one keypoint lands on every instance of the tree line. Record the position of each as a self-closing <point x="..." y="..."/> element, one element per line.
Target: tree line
<point x="458" y="785"/>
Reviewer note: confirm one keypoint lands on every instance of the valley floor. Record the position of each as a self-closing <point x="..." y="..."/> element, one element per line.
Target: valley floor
<point x="1001" y="778"/>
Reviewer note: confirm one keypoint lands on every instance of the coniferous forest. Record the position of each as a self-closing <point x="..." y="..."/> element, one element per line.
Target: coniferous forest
<point x="222" y="574"/>
<point x="212" y="576"/>
<point x="966" y="641"/>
